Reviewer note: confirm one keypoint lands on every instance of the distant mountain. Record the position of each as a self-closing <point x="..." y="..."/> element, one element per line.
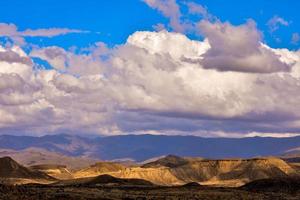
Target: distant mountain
<point x="64" y="144"/>
<point x="143" y="147"/>
<point x="38" y="156"/>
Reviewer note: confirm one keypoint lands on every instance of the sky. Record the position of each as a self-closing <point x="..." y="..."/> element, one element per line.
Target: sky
<point x="211" y="68"/>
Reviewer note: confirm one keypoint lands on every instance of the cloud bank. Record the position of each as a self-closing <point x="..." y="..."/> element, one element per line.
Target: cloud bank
<point x="229" y="84"/>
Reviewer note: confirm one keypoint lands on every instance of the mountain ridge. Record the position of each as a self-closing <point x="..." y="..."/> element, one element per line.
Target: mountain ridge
<point x="143" y="147"/>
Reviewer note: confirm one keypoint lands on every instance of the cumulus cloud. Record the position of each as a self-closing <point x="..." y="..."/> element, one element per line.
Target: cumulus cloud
<point x="76" y="64"/>
<point x="11" y="56"/>
<point x="153" y="81"/>
<point x="157" y="82"/>
<point x="238" y="48"/>
<point x="45" y="101"/>
<point x="230" y="84"/>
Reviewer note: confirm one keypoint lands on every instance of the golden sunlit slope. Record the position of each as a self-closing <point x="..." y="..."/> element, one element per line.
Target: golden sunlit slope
<point x="170" y="170"/>
<point x="174" y="170"/>
<point x="233" y="172"/>
<point x="99" y="168"/>
<point x="57" y="171"/>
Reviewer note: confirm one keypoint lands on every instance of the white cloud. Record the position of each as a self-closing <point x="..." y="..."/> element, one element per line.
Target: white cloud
<point x="76" y="64"/>
<point x="171" y="10"/>
<point x="238" y="48"/>
<point x="180" y="21"/>
<point x="50" y="32"/>
<point x="155" y="82"/>
<point x="43" y="101"/>
<point x="11" y="31"/>
<point x="197" y="9"/>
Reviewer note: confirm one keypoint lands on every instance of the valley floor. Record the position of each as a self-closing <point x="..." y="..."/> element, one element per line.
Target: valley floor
<point x="41" y="192"/>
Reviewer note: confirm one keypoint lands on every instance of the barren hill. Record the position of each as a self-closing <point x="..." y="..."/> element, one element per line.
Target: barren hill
<point x="233" y="172"/>
<point x="174" y="170"/>
<point x="170" y="170"/>
<point x="11" y="170"/>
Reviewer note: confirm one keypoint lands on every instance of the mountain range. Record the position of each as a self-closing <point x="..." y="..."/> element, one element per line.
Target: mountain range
<point x="139" y="148"/>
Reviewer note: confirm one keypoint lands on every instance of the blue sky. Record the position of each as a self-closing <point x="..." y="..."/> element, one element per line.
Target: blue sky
<point x="115" y="20"/>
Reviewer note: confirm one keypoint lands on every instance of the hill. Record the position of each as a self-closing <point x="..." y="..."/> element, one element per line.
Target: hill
<point x="233" y="172"/>
<point x="11" y="171"/>
<point x="175" y="170"/>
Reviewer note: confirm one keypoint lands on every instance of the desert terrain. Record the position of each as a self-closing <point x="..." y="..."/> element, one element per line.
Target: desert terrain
<point x="169" y="177"/>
